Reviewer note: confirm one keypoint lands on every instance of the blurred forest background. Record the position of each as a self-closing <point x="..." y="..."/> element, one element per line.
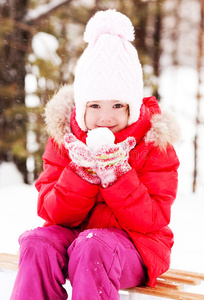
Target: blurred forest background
<point x="41" y="40"/>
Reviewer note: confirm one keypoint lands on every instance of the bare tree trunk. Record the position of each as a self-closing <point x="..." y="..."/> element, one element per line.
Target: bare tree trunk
<point x="12" y="76"/>
<point x="198" y="96"/>
<point x="175" y="33"/>
<point x="156" y="54"/>
<point x="15" y="38"/>
<point x="141" y="27"/>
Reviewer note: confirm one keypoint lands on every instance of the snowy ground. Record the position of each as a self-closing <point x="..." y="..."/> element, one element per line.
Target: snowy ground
<point x="18" y="201"/>
<point x="18" y="213"/>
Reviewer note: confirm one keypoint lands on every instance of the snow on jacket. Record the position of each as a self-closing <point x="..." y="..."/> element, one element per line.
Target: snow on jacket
<point x="139" y="202"/>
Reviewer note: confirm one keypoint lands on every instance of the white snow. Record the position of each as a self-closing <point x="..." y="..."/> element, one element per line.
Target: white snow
<point x="9" y="175"/>
<point x="18" y="213"/>
<point x="18" y="201"/>
<point x="90" y="235"/>
<point x="32" y="100"/>
<point x="99" y="136"/>
<point x="31" y="84"/>
<point x="43" y="10"/>
<point x="45" y="46"/>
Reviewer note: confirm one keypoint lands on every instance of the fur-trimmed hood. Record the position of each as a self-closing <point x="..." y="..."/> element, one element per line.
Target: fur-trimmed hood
<point x="163" y="131"/>
<point x="58" y="112"/>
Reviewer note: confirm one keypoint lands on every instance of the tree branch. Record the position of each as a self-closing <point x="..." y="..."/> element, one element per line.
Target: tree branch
<point x="42" y="11"/>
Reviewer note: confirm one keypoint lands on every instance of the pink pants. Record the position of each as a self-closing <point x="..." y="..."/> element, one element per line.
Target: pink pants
<point x="98" y="262"/>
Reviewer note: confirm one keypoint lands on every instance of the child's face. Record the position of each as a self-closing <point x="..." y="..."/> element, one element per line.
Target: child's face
<point x="112" y="114"/>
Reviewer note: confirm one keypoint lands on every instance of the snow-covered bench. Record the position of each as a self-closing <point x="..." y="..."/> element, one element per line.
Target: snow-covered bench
<point x="171" y="284"/>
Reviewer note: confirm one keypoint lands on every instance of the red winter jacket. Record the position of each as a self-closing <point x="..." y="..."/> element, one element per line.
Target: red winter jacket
<point x="139" y="202"/>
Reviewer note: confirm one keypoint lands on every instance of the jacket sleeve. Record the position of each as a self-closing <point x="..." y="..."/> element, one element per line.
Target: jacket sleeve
<point x="142" y="201"/>
<point x="64" y="198"/>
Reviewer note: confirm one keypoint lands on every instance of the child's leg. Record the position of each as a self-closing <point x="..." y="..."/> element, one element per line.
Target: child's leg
<point x="101" y="262"/>
<point x="43" y="263"/>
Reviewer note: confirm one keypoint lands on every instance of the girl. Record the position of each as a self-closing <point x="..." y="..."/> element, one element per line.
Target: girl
<point x="106" y="210"/>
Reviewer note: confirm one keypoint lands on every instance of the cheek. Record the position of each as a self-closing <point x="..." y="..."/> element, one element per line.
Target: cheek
<point x="89" y="120"/>
<point x="86" y="118"/>
<point x="125" y="117"/>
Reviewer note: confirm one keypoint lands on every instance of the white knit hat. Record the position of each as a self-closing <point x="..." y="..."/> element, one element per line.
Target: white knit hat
<point x="109" y="68"/>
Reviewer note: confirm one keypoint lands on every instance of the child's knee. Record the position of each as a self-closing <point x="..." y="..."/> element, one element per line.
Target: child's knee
<point x="35" y="238"/>
<point x="35" y="243"/>
<point x="37" y="248"/>
<point x="94" y="254"/>
<point x="56" y="237"/>
<point x="92" y="241"/>
<point x="91" y="248"/>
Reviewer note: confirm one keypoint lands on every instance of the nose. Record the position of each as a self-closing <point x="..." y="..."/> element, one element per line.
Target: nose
<point x="106" y="117"/>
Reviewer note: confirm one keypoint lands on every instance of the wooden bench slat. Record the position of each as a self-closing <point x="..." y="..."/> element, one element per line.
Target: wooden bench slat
<point x="186" y="273"/>
<point x="169" y="285"/>
<point x="165" y="293"/>
<point x="9" y="266"/>
<point x="180" y="278"/>
<point x="9" y="261"/>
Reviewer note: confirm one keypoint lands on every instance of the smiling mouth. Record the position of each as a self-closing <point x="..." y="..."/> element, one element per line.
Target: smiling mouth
<point x="109" y="127"/>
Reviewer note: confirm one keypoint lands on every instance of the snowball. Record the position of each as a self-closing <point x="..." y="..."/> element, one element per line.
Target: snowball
<point x="99" y="136"/>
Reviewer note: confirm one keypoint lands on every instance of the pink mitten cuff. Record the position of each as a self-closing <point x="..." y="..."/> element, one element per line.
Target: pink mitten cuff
<point x="112" y="161"/>
<point x="85" y="174"/>
<point x="83" y="164"/>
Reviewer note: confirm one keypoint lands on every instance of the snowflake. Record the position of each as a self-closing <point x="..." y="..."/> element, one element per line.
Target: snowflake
<point x="90" y="235"/>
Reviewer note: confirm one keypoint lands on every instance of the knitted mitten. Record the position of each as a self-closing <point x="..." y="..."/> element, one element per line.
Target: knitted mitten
<point x="82" y="162"/>
<point x="112" y="161"/>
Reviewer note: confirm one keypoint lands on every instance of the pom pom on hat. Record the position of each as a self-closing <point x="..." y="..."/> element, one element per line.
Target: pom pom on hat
<point x="109" y="22"/>
<point x="109" y="68"/>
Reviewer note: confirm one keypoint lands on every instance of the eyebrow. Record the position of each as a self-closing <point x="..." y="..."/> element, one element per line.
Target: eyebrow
<point x="92" y="102"/>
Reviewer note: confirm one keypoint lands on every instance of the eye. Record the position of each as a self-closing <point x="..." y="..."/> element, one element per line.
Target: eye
<point x="94" y="106"/>
<point x="118" y="105"/>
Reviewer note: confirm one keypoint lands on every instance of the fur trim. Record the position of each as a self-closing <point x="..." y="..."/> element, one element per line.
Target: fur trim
<point x="164" y="131"/>
<point x="58" y="112"/>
